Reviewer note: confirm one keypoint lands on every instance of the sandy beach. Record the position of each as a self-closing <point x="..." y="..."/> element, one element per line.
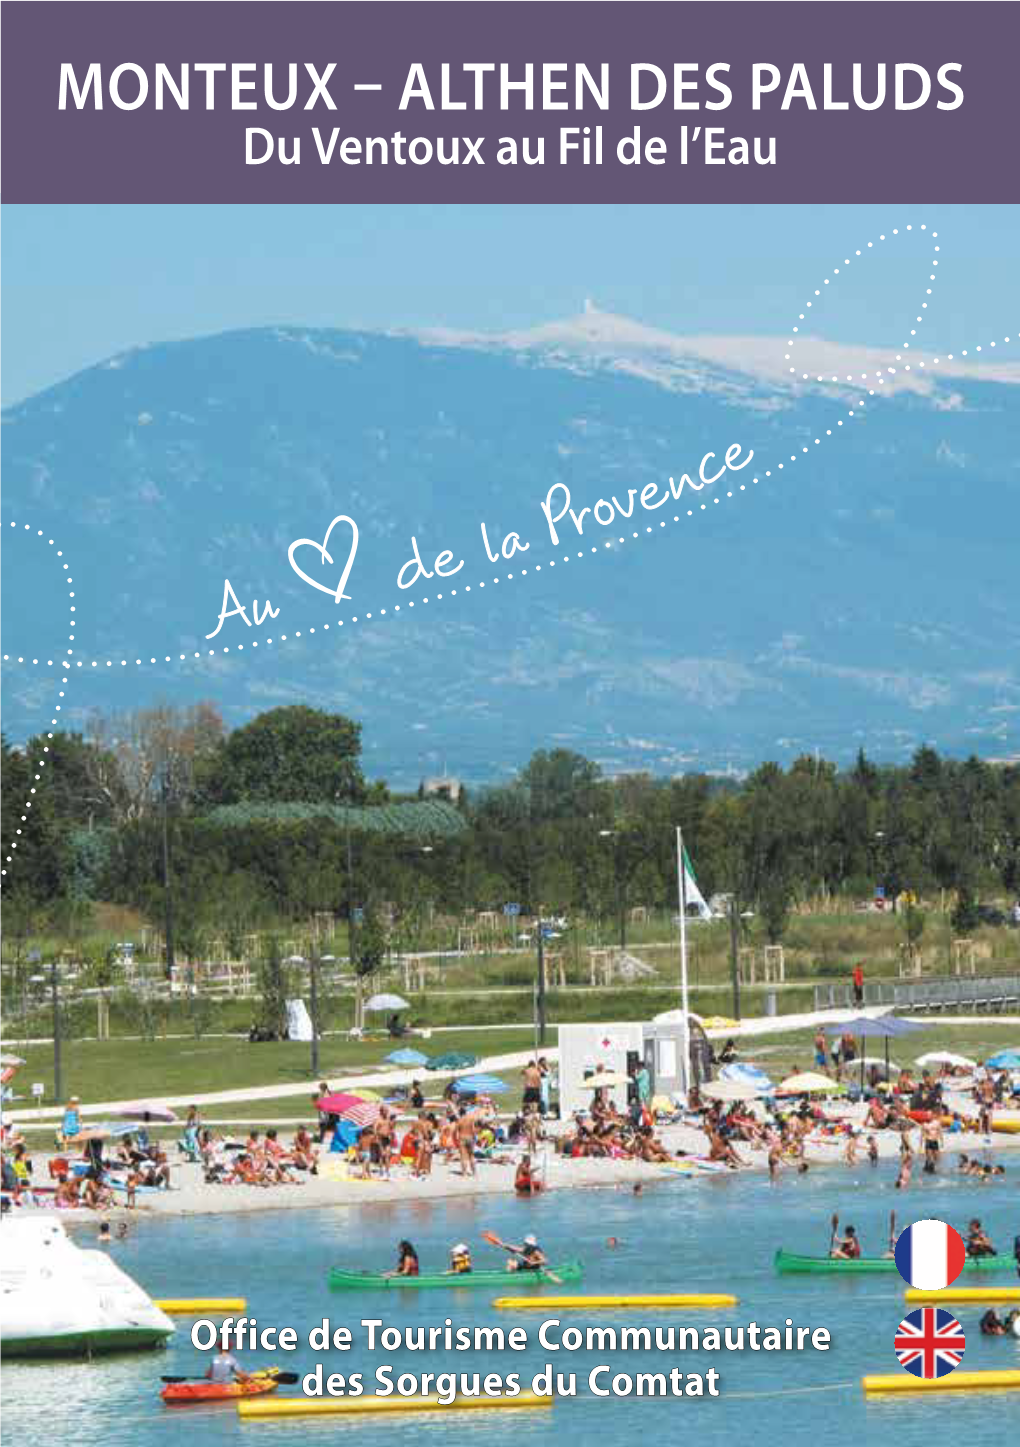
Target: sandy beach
<point x="337" y="1185"/>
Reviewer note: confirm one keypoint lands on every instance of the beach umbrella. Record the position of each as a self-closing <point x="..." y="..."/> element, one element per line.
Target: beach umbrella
<point x="749" y="1074"/>
<point x="946" y="1057"/>
<point x="1005" y="1060"/>
<point x="148" y="1112"/>
<point x="881" y="1027"/>
<point x="338" y="1101"/>
<point x="481" y="1085"/>
<point x="366" y="1112"/>
<point x="730" y="1090"/>
<point x="452" y="1060"/>
<point x="808" y="1082"/>
<point x="407" y="1057"/>
<point x="386" y="1002"/>
<point x="607" y="1078"/>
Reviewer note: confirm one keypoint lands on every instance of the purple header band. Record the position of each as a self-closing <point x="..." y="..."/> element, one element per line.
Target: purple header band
<point x="822" y="155"/>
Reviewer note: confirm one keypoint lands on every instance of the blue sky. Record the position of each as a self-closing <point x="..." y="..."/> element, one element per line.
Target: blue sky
<point x="82" y="282"/>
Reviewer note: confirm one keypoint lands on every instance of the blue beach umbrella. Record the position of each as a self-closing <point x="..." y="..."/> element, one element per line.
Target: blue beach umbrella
<point x="407" y="1057"/>
<point x="746" y="1074"/>
<point x="1005" y="1060"/>
<point x="481" y="1085"/>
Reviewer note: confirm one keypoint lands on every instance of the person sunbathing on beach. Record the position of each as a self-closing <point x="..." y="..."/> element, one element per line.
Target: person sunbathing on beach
<point x="278" y="1163"/>
<point x="649" y="1148"/>
<point x="525" y="1181"/>
<point x="877" y="1116"/>
<point x="304" y="1153"/>
<point x="721" y="1150"/>
<point x="95" y="1195"/>
<point x="247" y="1171"/>
<point x="67" y="1192"/>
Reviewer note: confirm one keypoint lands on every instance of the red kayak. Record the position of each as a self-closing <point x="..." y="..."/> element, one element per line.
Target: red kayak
<point x="183" y="1394"/>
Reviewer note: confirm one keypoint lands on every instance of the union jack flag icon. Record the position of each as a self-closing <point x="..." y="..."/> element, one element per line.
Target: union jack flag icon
<point x="929" y="1342"/>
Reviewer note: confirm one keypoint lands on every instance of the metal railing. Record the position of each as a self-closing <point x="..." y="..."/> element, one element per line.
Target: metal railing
<point x="948" y="995"/>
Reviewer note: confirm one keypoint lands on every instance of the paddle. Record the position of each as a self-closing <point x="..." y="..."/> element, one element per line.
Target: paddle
<point x="494" y="1240"/>
<point x="835" y="1228"/>
<point x="284" y="1379"/>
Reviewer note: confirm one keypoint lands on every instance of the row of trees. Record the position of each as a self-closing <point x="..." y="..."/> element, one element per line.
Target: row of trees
<point x="560" y="837"/>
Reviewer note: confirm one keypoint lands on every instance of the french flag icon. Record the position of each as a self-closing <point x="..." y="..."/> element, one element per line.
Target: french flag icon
<point x="930" y="1255"/>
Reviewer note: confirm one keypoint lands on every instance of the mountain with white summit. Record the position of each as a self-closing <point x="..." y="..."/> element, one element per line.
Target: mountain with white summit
<point x="866" y="596"/>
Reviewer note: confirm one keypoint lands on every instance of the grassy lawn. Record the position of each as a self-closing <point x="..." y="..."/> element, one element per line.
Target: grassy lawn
<point x="117" y="1069"/>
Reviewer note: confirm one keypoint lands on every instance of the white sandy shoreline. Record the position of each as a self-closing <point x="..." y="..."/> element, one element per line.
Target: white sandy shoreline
<point x="190" y="1195"/>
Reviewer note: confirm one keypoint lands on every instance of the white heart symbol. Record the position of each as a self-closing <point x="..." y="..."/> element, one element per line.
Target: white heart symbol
<point x="321" y="549"/>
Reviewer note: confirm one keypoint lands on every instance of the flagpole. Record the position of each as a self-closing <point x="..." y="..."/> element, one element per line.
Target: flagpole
<point x="681" y="889"/>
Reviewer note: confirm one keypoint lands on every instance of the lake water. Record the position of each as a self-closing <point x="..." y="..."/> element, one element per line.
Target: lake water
<point x="711" y="1234"/>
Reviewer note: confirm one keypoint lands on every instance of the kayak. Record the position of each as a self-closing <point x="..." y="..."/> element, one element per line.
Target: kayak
<point x="365" y="1280"/>
<point x="788" y="1263"/>
<point x="182" y="1394"/>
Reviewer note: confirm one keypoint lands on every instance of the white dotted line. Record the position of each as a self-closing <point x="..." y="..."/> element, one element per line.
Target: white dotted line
<point x="62" y="663"/>
<point x="878" y="377"/>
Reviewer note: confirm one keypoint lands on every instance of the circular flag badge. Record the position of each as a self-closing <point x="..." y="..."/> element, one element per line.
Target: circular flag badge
<point x="930" y="1255"/>
<point x="929" y="1342"/>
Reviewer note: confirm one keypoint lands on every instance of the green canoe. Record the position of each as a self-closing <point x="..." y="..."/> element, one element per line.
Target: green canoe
<point x="369" y="1280"/>
<point x="788" y="1263"/>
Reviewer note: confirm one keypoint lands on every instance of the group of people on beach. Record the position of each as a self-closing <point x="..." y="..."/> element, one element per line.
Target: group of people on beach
<point x="97" y="1180"/>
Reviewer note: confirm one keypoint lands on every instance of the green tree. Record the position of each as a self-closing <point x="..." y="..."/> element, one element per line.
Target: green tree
<point x="289" y="755"/>
<point x="774" y="907"/>
<point x="369" y="952"/>
<point x="273" y="991"/>
<point x="965" y="918"/>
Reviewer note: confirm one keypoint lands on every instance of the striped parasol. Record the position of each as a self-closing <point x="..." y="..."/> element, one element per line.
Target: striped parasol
<point x="362" y="1114"/>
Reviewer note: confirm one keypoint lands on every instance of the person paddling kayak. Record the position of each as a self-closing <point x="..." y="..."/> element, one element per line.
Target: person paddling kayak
<point x="407" y="1261"/>
<point x="978" y="1242"/>
<point x="529" y="1256"/>
<point x="225" y="1367"/>
<point x="847" y="1248"/>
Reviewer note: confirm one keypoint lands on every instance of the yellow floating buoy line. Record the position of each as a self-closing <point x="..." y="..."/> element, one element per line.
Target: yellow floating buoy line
<point x="953" y="1382"/>
<point x="265" y="1407"/>
<point x="197" y="1305"/>
<point x="962" y="1294"/>
<point x="611" y="1303"/>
